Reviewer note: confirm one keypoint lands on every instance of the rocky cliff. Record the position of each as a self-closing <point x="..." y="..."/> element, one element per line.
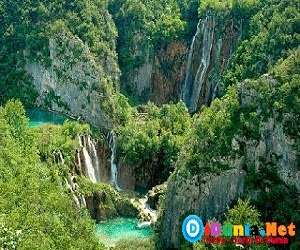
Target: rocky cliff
<point x="168" y="73"/>
<point x="206" y="197"/>
<point x="268" y="160"/>
<point x="176" y="71"/>
<point x="73" y="82"/>
<point x="160" y="77"/>
<point x="211" y="49"/>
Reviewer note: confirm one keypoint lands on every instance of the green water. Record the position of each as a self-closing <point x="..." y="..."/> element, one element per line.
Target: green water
<point x="38" y="117"/>
<point x="121" y="228"/>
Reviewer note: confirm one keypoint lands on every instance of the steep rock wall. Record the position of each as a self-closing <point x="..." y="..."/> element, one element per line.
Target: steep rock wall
<point x="274" y="146"/>
<point x="206" y="197"/>
<point x="176" y="71"/>
<point x="160" y="78"/>
<point x="211" y="49"/>
<point x="210" y="195"/>
<point x="73" y="83"/>
<point x="168" y="73"/>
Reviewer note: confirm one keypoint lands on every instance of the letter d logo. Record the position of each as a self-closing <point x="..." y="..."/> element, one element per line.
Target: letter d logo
<point x="192" y="228"/>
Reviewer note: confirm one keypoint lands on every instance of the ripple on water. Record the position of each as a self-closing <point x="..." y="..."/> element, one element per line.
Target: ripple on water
<point x="116" y="229"/>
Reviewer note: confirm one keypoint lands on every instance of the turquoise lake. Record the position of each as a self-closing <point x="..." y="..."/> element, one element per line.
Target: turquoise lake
<point x="116" y="229"/>
<point x="39" y="117"/>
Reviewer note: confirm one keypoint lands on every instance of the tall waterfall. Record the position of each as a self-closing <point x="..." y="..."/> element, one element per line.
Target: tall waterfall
<point x="91" y="161"/>
<point x="89" y="165"/>
<point x="194" y="81"/>
<point x="58" y="157"/>
<point x="112" y="140"/>
<point x="95" y="160"/>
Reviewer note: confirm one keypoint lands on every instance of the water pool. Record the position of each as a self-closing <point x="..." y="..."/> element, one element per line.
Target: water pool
<point x="121" y="228"/>
<point x="39" y="117"/>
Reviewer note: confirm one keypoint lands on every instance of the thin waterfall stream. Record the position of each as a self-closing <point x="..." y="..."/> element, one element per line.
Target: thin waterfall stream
<point x="112" y="142"/>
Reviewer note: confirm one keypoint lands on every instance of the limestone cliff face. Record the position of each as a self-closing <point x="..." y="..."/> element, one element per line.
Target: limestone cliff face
<point x="126" y="176"/>
<point x="211" y="49"/>
<point x="73" y="83"/>
<point x="168" y="73"/>
<point x="185" y="195"/>
<point x="208" y="196"/>
<point x="160" y="78"/>
<point x="177" y="71"/>
<point x="274" y="146"/>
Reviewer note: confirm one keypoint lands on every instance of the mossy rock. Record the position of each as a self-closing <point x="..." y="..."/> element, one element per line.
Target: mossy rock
<point x="154" y="194"/>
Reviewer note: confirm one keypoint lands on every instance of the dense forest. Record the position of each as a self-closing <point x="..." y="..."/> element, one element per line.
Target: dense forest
<point x="195" y="101"/>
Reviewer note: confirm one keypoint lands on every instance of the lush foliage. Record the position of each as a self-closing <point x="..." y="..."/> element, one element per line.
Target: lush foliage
<point x="141" y="244"/>
<point x="35" y="209"/>
<point x="273" y="31"/>
<point x="242" y="213"/>
<point x="154" y="138"/>
<point x="242" y="9"/>
<point x="209" y="147"/>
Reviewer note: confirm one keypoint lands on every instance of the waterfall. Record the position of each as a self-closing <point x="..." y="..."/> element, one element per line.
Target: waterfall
<point x="193" y="83"/>
<point x="145" y="209"/>
<point x="78" y="159"/>
<point x="91" y="161"/>
<point x="76" y="200"/>
<point x="58" y="157"/>
<point x="188" y="80"/>
<point x="83" y="201"/>
<point x="95" y="160"/>
<point x="61" y="158"/>
<point x="111" y="137"/>
<point x="89" y="165"/>
<point x="73" y="187"/>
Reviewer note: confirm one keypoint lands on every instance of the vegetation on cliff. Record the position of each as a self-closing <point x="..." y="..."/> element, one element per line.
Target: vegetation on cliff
<point x="221" y="132"/>
<point x="261" y="86"/>
<point x="26" y="28"/>
<point x="270" y="34"/>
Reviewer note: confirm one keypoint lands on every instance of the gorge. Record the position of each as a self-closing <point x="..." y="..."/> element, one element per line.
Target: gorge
<point x="118" y="119"/>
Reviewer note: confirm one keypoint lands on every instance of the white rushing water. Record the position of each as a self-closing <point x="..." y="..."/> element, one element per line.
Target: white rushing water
<point x="73" y="186"/>
<point x="91" y="162"/>
<point x="188" y="81"/>
<point x="112" y="140"/>
<point x="145" y="208"/>
<point x="89" y="165"/>
<point x="95" y="161"/>
<point x="193" y="83"/>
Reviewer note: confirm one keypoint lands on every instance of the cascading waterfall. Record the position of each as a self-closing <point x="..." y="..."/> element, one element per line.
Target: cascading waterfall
<point x="58" y="157"/>
<point x="145" y="207"/>
<point x="193" y="84"/>
<point x="73" y="186"/>
<point x="89" y="165"/>
<point x="111" y="138"/>
<point x="91" y="161"/>
<point x="61" y="158"/>
<point x="78" y="159"/>
<point x="95" y="160"/>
